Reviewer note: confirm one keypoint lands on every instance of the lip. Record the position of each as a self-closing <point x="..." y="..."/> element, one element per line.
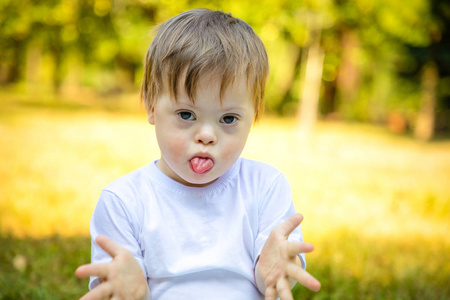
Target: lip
<point x="202" y="155"/>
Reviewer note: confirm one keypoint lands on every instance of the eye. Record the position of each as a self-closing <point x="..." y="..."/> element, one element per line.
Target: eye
<point x="229" y="119"/>
<point x="186" y="115"/>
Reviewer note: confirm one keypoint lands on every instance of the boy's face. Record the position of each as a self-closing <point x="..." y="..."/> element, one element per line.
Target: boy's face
<point x="200" y="142"/>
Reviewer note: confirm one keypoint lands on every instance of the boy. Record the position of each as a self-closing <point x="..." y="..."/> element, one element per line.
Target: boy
<point x="200" y="222"/>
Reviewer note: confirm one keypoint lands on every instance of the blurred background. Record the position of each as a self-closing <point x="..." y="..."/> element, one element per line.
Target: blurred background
<point x="357" y="117"/>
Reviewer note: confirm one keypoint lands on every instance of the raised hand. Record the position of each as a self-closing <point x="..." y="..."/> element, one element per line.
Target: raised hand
<point x="121" y="279"/>
<point x="279" y="261"/>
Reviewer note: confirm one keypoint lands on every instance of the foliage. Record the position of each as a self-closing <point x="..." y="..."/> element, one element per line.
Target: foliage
<point x="100" y="44"/>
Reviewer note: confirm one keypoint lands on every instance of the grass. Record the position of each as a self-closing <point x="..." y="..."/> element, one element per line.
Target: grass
<point x="351" y="267"/>
<point x="43" y="268"/>
<point x="376" y="205"/>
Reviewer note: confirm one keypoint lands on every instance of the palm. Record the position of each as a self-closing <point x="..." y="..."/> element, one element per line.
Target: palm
<point x="279" y="261"/>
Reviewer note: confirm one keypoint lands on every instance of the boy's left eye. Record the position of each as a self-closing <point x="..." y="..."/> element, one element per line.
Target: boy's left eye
<point x="186" y="115"/>
<point x="228" y="119"/>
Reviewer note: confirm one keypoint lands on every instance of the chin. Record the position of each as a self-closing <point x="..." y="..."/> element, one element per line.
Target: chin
<point x="200" y="182"/>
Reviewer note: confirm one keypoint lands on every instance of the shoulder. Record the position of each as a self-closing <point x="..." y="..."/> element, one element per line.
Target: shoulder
<point x="267" y="186"/>
<point x="259" y="170"/>
<point x="257" y="166"/>
<point x="261" y="176"/>
<point x="131" y="189"/>
<point x="127" y="196"/>
<point x="128" y="182"/>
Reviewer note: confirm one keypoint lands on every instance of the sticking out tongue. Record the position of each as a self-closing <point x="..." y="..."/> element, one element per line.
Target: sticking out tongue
<point x="201" y="165"/>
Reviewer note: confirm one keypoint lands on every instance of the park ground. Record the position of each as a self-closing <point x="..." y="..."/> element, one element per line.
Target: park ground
<point x="376" y="205"/>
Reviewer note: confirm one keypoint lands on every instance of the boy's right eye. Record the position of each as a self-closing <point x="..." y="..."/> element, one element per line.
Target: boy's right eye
<point x="186" y="115"/>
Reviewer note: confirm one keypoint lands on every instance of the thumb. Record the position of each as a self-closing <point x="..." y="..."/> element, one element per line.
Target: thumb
<point x="289" y="225"/>
<point x="109" y="245"/>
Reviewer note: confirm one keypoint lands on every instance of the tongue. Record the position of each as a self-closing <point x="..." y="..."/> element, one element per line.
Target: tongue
<point x="201" y="165"/>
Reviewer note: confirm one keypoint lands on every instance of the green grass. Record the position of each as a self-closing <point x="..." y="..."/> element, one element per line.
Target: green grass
<point x="376" y="205"/>
<point x="46" y="270"/>
<point x="386" y="269"/>
<point x="351" y="267"/>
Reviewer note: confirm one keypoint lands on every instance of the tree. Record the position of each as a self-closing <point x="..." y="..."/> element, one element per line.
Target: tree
<point x="312" y="78"/>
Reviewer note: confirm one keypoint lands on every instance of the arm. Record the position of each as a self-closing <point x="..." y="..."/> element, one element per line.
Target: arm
<point x="124" y="274"/>
<point x="279" y="261"/>
<point x="122" y="278"/>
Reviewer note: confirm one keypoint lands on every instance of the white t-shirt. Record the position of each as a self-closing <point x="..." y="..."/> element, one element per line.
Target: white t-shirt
<point x="195" y="243"/>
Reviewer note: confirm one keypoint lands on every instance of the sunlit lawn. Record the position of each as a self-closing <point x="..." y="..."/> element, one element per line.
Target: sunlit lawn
<point x="376" y="206"/>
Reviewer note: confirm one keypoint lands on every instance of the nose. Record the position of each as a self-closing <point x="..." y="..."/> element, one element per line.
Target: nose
<point x="206" y="135"/>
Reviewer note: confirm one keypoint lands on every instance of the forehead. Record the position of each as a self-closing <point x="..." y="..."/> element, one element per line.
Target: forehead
<point x="212" y="88"/>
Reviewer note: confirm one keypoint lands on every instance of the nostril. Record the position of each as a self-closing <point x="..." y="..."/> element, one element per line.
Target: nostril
<point x="206" y="142"/>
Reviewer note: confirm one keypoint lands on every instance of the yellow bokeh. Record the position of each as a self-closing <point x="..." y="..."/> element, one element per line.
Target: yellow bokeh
<point x="359" y="178"/>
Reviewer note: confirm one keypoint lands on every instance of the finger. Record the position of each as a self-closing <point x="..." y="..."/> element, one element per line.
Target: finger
<point x="284" y="289"/>
<point x="109" y="245"/>
<point x="271" y="293"/>
<point x="289" y="225"/>
<point x="295" y="248"/>
<point x="303" y="277"/>
<point x="98" y="270"/>
<point x="102" y="291"/>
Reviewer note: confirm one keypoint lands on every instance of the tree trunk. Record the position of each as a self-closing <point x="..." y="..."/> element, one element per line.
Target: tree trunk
<point x="33" y="68"/>
<point x="308" y="107"/>
<point x="424" y="129"/>
<point x="348" y="80"/>
<point x="287" y="92"/>
<point x="15" y="73"/>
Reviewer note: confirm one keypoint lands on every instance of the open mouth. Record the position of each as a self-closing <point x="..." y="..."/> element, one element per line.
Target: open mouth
<point x="201" y="165"/>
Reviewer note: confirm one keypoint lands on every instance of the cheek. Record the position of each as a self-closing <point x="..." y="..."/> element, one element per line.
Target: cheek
<point x="171" y="145"/>
<point x="233" y="148"/>
<point x="177" y="147"/>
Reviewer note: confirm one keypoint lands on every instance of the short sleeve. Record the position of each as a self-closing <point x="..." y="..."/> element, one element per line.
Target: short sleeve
<point x="112" y="219"/>
<point x="275" y="207"/>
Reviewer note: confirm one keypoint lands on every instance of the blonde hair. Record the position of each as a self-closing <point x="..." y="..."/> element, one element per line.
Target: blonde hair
<point x="203" y="42"/>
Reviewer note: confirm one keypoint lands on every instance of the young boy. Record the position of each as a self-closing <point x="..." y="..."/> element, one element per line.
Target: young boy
<point x="200" y="222"/>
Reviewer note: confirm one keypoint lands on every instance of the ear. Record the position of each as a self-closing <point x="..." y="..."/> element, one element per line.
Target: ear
<point x="151" y="115"/>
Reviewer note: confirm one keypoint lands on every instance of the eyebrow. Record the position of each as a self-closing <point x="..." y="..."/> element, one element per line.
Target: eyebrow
<point x="182" y="101"/>
<point x="238" y="105"/>
<point x="233" y="108"/>
<point x="187" y="102"/>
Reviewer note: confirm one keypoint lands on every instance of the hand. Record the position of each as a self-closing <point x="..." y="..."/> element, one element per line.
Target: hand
<point x="279" y="261"/>
<point x="122" y="278"/>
